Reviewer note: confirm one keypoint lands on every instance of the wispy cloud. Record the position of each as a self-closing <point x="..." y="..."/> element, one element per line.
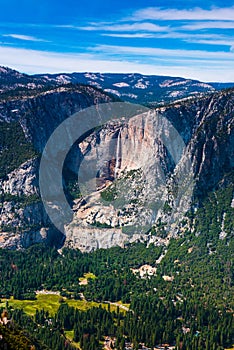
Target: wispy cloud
<point x="213" y="42"/>
<point x="33" y="61"/>
<point x="23" y="37"/>
<point x="211" y="39"/>
<point x="130" y="36"/>
<point x="129" y="27"/>
<point x="166" y="53"/>
<point x="157" y="13"/>
<point x="209" y="25"/>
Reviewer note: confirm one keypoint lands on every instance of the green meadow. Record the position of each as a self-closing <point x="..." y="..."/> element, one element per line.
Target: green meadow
<point x="51" y="303"/>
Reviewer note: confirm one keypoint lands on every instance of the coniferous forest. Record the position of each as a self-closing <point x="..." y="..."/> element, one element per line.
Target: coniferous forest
<point x="191" y="308"/>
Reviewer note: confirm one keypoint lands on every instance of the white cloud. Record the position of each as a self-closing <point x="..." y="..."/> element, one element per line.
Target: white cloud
<point x="145" y="26"/>
<point x="157" y="13"/>
<point x="131" y="36"/>
<point x="209" y="25"/>
<point x="213" y="42"/>
<point x="23" y="37"/>
<point x="211" y="39"/>
<point x="32" y="61"/>
<point x="154" y="52"/>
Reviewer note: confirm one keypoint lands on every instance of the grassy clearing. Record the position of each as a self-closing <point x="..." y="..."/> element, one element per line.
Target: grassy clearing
<point x="90" y="275"/>
<point x="50" y="303"/>
<point x="70" y="335"/>
<point x="83" y="305"/>
<point x="85" y="279"/>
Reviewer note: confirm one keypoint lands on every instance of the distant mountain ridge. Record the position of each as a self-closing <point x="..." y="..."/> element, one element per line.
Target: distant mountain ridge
<point x="137" y="88"/>
<point x="151" y="90"/>
<point x="11" y="79"/>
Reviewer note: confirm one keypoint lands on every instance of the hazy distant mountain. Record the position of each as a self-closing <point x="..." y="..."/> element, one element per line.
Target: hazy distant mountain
<point x="138" y="88"/>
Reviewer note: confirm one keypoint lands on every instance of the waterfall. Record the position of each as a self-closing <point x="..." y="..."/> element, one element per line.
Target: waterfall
<point x="118" y="154"/>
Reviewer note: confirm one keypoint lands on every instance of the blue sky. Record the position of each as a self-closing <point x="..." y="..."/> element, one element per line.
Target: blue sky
<point x="193" y="39"/>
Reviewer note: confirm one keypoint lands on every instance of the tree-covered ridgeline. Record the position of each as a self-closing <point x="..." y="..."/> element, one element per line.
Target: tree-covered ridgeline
<point x="14" y="148"/>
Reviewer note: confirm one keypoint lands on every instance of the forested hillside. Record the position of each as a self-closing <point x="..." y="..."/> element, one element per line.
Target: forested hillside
<point x="187" y="301"/>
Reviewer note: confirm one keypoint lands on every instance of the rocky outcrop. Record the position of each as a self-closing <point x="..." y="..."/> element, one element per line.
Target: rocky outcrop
<point x="40" y="113"/>
<point x="22" y="181"/>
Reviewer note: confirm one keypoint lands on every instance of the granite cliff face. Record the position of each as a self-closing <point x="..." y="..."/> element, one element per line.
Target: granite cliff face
<point x="140" y="179"/>
<point x="148" y="172"/>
